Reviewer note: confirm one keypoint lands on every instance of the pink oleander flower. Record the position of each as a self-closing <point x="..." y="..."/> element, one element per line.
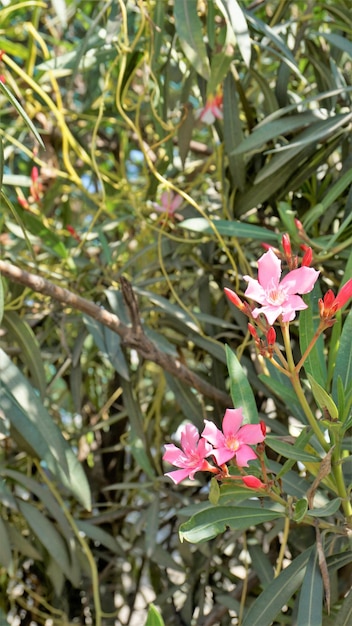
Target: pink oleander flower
<point x="279" y="298"/>
<point x="329" y="304"/>
<point x="169" y="203"/>
<point x="233" y="440"/>
<point x="212" y="110"/>
<point x="191" y="458"/>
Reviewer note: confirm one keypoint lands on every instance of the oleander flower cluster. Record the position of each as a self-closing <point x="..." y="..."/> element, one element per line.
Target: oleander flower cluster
<point x="213" y="448"/>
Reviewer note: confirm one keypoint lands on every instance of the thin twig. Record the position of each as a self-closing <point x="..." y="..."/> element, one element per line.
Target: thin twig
<point x="131" y="336"/>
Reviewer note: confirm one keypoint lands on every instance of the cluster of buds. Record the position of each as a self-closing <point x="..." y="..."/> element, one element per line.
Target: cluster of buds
<point x="265" y="346"/>
<point x="330" y="304"/>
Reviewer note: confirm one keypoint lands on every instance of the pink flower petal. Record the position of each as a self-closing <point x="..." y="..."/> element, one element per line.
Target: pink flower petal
<point x="254" y="290"/>
<point x="212" y="434"/>
<point x="223" y="455"/>
<point x="251" y="433"/>
<point x="232" y="421"/>
<point x="289" y="308"/>
<point x="243" y="455"/>
<point x="270" y="311"/>
<point x="178" y="475"/>
<point x="269" y="270"/>
<point x="301" y="280"/>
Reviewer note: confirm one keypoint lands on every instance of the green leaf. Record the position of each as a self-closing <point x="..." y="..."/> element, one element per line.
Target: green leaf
<point x="47" y="534"/>
<point x="241" y="392"/>
<point x="5" y="550"/>
<point x="300" y="510"/>
<point x="109" y="344"/>
<point x="237" y="229"/>
<point x="152" y="526"/>
<point x="343" y="365"/>
<point x="266" y="131"/>
<point x="233" y="135"/>
<point x="21" y="112"/>
<point x="1" y="300"/>
<point x="99" y="535"/>
<point x="154" y="618"/>
<point x="290" y="452"/>
<point x="310" y="603"/>
<point x="49" y="238"/>
<point x="269" y="603"/>
<point x="189" y="29"/>
<point x="325" y="511"/>
<point x="315" y="363"/>
<point x="344" y="616"/>
<point x="240" y="28"/>
<point x="211" y="522"/>
<point x="35" y="431"/>
<point x="1" y="162"/>
<point x="323" y="399"/>
<point x="20" y="332"/>
<point x="22" y="545"/>
<point x="263" y="566"/>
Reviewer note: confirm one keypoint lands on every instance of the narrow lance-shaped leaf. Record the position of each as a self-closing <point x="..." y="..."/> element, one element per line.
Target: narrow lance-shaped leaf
<point x="241" y="391"/>
<point x="21" y="112"/>
<point x="189" y="30"/>
<point x="269" y="603"/>
<point x="310" y="605"/>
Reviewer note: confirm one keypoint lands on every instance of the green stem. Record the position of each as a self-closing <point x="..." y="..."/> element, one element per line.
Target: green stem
<point x="310" y="346"/>
<point x="83" y="543"/>
<point x="296" y="384"/>
<point x="340" y="483"/>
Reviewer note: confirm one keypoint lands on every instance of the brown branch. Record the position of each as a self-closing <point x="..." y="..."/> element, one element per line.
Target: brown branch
<point x="131" y="337"/>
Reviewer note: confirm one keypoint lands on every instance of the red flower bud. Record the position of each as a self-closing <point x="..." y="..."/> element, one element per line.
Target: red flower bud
<point x="252" y="331"/>
<point x="253" y="482"/>
<point x="286" y="244"/>
<point x="233" y="297"/>
<point x="263" y="427"/>
<point x="271" y="336"/>
<point x="307" y="257"/>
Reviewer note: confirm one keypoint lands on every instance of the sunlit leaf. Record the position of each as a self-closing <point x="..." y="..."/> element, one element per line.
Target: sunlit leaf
<point x="189" y="30"/>
<point x="154" y="618"/>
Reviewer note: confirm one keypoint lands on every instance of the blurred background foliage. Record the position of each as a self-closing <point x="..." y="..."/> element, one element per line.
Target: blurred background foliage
<point x="99" y="116"/>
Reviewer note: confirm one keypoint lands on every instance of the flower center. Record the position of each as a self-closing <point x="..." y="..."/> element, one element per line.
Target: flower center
<point x="232" y="443"/>
<point x="275" y="295"/>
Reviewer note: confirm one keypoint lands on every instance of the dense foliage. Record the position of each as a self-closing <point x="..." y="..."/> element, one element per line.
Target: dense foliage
<point x="148" y="149"/>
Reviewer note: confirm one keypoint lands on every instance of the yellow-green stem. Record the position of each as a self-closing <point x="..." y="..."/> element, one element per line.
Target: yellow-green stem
<point x="296" y="384"/>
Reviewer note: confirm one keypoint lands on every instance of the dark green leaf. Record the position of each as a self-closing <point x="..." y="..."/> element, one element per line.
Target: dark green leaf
<point x="240" y="230"/>
<point x="269" y="603"/>
<point x="290" y="451"/>
<point x="211" y="522"/>
<point x="310" y="604"/>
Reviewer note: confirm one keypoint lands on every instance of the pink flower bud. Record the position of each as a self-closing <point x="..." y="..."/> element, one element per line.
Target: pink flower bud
<point x="253" y="482"/>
